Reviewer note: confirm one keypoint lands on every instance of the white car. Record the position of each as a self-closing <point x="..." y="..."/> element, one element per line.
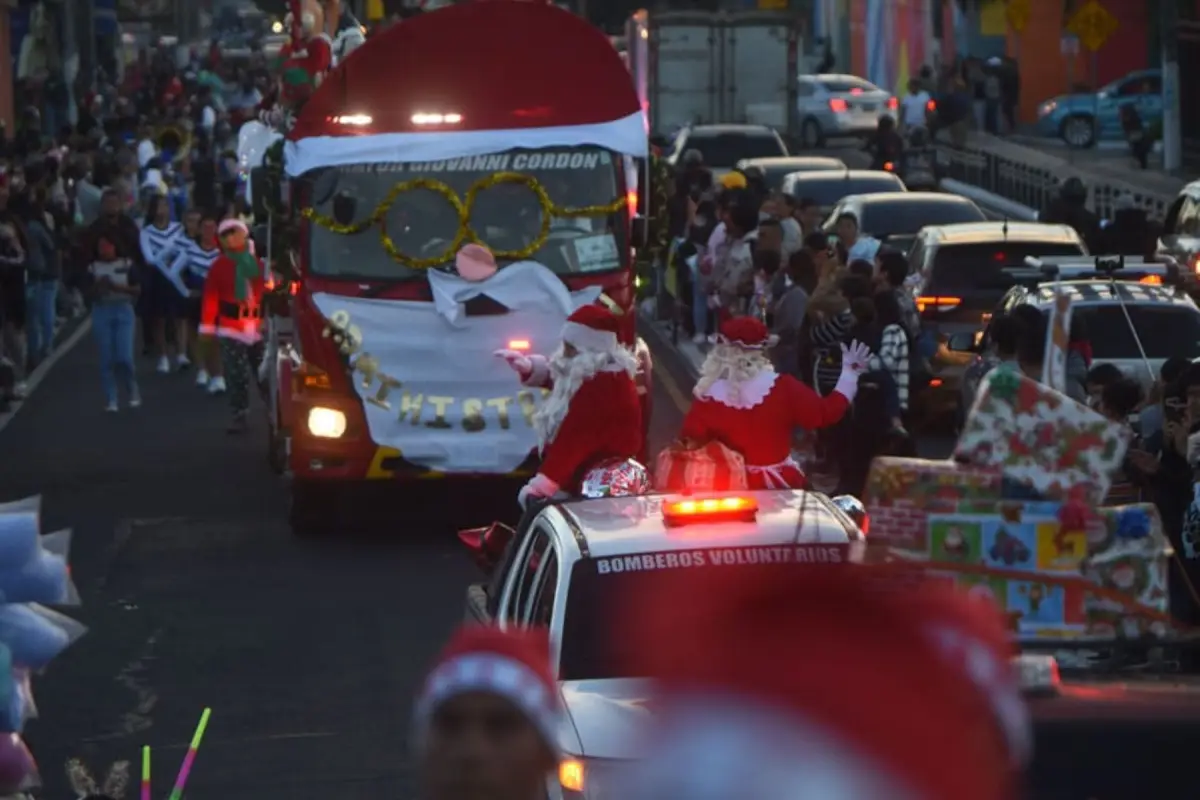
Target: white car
<point x="575" y="563"/>
<point x="839" y="106"/>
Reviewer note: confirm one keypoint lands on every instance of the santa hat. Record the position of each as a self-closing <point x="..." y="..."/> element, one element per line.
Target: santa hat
<point x="818" y="684"/>
<point x="514" y="664"/>
<point x="232" y="225"/>
<point x="592" y="329"/>
<point x="745" y="333"/>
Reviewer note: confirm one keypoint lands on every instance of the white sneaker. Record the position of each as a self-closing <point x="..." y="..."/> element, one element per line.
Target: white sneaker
<point x="164" y="365"/>
<point x="202" y="378"/>
<point x="216" y="385"/>
<point x="182" y="362"/>
<point x="111" y="408"/>
<point x="699" y="338"/>
<point x="135" y="398"/>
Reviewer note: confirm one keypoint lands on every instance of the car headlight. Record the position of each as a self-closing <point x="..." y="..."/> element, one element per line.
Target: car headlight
<point x="326" y="423"/>
<point x="572" y="776"/>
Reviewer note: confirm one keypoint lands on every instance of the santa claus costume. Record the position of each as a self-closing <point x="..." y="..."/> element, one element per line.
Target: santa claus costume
<point x="743" y="403"/>
<point x="593" y="413"/>
<point x="884" y="695"/>
<point x="231" y="310"/>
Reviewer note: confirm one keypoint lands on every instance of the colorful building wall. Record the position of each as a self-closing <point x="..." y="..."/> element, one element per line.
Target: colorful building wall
<point x="890" y="40"/>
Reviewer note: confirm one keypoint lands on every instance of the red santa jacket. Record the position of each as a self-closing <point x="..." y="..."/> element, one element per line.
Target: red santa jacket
<point x="763" y="432"/>
<point x="222" y="314"/>
<point x="603" y="422"/>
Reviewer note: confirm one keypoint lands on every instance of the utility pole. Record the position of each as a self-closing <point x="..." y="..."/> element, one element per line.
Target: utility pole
<point x="1171" y="122"/>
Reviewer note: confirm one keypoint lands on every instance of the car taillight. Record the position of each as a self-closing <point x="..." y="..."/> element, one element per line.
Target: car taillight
<point x="889" y="166"/>
<point x="311" y="377"/>
<point x="631" y="202"/>
<point x="938" y="303"/>
<point x="893" y="103"/>
<point x="931" y="105"/>
<point x="709" y="509"/>
<point x="838" y="106"/>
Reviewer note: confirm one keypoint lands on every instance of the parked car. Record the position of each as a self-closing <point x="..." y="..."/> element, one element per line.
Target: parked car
<point x="837" y="106"/>
<point x="723" y="146"/>
<point x="778" y="168"/>
<point x="1082" y="119"/>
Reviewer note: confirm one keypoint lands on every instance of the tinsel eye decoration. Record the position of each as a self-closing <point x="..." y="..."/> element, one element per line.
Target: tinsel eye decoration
<point x="86" y="788"/>
<point x="343" y="333"/>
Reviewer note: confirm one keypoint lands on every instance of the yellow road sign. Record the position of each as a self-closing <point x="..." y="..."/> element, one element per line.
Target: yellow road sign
<point x="1093" y="24"/>
<point x="1018" y="14"/>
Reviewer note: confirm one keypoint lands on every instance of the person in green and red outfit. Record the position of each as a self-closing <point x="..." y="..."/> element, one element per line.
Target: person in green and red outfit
<point x="231" y="310"/>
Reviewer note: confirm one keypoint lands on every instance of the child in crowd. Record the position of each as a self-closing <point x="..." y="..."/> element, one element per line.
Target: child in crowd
<point x="116" y="283"/>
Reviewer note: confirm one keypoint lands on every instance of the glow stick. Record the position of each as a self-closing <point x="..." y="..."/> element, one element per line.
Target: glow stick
<point x="186" y="768"/>
<point x="146" y="772"/>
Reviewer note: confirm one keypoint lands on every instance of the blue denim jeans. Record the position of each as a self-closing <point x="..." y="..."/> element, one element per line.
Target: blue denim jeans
<point x="700" y="310"/>
<point x="113" y="326"/>
<point x="40" y="297"/>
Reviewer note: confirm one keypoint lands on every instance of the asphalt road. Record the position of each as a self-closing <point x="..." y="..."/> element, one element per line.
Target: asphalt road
<point x="197" y="595"/>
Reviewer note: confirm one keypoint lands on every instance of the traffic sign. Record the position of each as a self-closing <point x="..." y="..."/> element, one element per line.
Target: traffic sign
<point x="1018" y="14"/>
<point x="1093" y="24"/>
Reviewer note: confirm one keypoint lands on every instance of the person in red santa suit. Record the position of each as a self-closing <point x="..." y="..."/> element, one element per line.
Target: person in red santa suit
<point x="231" y="311"/>
<point x="593" y="413"/>
<point x="487" y="717"/>
<point x="743" y="403"/>
<point x="929" y="706"/>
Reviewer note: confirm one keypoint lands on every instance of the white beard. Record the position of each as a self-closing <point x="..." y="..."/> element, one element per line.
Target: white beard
<point x="568" y="374"/>
<point x="733" y="365"/>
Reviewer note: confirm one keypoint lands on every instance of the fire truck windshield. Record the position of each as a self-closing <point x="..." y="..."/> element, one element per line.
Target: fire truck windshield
<point x="506" y="216"/>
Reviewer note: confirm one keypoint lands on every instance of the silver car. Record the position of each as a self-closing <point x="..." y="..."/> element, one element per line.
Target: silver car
<point x="835" y="106"/>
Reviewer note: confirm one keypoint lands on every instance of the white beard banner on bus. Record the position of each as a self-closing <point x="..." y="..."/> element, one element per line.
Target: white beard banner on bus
<point x="433" y="388"/>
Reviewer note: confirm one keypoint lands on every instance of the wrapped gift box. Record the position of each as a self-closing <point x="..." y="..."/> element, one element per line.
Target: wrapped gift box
<point x="902" y="492"/>
<point x="1128" y="552"/>
<point x="1042" y="439"/>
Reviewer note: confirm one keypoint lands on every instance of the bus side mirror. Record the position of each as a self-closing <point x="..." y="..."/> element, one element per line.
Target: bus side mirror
<point x="639" y="231"/>
<point x="264" y="192"/>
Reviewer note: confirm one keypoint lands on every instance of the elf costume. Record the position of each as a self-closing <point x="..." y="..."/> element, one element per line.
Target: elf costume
<point x="231" y="310"/>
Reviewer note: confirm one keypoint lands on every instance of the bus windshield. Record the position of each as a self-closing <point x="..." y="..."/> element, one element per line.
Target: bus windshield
<point x="423" y="223"/>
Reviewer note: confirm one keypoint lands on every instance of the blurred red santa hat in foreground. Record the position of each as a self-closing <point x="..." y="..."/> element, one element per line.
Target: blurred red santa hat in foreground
<point x="825" y="683"/>
<point x="513" y="664"/>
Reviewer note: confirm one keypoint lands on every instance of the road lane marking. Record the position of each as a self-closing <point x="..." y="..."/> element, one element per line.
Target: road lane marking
<point x="673" y="391"/>
<point x="43" y="369"/>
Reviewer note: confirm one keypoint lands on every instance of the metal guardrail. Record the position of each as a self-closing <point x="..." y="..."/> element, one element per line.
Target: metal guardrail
<point x="1034" y="181"/>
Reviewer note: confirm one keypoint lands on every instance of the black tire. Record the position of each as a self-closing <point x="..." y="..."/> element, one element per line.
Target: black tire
<point x="811" y="136"/>
<point x="313" y="508"/>
<point x="277" y="455"/>
<point x="1078" y="130"/>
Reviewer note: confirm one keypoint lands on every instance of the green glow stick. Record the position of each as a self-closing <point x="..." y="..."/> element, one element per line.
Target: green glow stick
<point x="190" y="757"/>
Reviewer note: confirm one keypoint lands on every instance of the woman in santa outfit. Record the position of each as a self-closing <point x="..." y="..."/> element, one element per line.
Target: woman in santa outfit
<point x="593" y="413"/>
<point x="743" y="403"/>
<point x="231" y="310"/>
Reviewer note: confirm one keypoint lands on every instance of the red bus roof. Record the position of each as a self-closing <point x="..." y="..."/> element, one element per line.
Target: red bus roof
<point x="501" y="64"/>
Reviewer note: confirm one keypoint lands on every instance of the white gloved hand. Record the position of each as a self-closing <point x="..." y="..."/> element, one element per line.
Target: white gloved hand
<point x="855" y="358"/>
<point x="521" y="364"/>
<point x="539" y="487"/>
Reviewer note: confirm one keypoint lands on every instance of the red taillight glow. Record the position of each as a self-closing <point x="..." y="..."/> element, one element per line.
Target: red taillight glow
<point x="938" y="303"/>
<point x="709" y="509"/>
<point x="889" y="166"/>
<point x="856" y="90"/>
<point x="1000" y="258"/>
<point x="631" y="202"/>
<point x="520" y="345"/>
<point x="1152" y="280"/>
<point x="893" y="103"/>
<point x="838" y="106"/>
<point x="1196" y="264"/>
<point x="931" y="105"/>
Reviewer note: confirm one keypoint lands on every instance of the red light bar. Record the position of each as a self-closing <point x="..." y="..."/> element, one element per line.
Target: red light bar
<point x="520" y="345"/>
<point x="710" y="509"/>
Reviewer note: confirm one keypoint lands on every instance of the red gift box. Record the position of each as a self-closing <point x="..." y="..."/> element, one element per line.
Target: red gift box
<point x="710" y="467"/>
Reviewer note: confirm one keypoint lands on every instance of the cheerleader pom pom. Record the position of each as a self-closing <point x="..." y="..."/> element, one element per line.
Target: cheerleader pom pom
<point x="18" y="770"/>
<point x="35" y="634"/>
<point x="20" y="531"/>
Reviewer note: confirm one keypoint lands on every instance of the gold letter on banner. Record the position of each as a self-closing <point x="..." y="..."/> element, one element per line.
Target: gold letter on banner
<point x="501" y="406"/>
<point x="386" y="384"/>
<point x="525" y="400"/>
<point x="440" y="403"/>
<point x="473" y="415"/>
<point x="411" y="404"/>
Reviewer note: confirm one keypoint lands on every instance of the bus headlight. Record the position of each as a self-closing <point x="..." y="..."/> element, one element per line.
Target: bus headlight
<point x="326" y="423"/>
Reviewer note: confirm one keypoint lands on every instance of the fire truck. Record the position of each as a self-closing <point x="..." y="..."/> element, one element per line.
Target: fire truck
<point x="513" y="125"/>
